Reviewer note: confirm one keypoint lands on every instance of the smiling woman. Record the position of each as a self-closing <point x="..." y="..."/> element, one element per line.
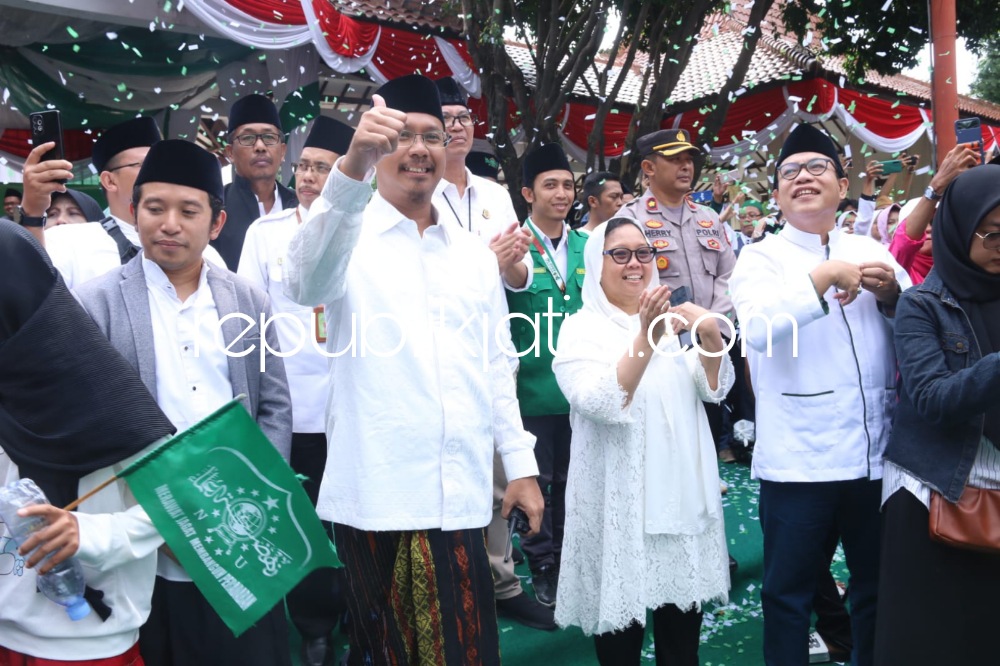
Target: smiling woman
<point x="643" y="511"/>
<point x="944" y="446"/>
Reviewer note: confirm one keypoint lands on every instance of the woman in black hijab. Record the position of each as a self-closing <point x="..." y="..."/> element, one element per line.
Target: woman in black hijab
<point x="937" y="600"/>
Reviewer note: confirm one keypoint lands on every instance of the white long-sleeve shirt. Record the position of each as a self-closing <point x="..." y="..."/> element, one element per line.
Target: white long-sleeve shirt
<point x="265" y="251"/>
<point x="118" y="546"/>
<point x="420" y="390"/>
<point x="82" y="252"/>
<point x="826" y="391"/>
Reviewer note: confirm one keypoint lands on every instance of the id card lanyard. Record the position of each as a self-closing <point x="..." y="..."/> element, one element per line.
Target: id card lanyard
<point x="546" y="256"/>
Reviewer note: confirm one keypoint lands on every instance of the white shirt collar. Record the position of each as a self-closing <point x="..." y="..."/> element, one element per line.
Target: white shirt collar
<point x="809" y="241"/>
<point x="384" y="216"/>
<point x="129" y="230"/>
<point x="155" y="277"/>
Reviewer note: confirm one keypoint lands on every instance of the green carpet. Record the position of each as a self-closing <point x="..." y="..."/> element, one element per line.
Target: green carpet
<point x="731" y="633"/>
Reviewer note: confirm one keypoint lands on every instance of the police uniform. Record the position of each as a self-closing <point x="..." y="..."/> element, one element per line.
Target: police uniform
<point x="692" y="249"/>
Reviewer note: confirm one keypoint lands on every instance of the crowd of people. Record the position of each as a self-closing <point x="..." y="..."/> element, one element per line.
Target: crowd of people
<point x="443" y="363"/>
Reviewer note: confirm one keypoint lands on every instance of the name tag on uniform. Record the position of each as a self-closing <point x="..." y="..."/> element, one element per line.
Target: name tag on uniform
<point x="539" y="269"/>
<point x="319" y="317"/>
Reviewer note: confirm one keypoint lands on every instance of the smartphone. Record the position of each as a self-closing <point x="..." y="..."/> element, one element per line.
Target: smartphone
<point x="891" y="166"/>
<point x="967" y="131"/>
<point x="679" y="296"/>
<point x="46" y="126"/>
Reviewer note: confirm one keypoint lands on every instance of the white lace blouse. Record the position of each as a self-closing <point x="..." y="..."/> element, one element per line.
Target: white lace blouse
<point x="632" y="539"/>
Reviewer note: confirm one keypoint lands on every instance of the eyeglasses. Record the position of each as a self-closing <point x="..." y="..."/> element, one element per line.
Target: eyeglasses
<point x="816" y="166"/>
<point x="250" y="140"/>
<point x="463" y="119"/>
<point x="125" y="166"/>
<point x="991" y="241"/>
<point x="304" y="167"/>
<point x="430" y="139"/>
<point x="623" y="255"/>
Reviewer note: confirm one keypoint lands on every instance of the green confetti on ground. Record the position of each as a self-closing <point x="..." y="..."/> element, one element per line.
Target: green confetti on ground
<point x="72" y="33"/>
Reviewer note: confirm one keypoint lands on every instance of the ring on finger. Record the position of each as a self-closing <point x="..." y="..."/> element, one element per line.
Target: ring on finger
<point x="880" y="284"/>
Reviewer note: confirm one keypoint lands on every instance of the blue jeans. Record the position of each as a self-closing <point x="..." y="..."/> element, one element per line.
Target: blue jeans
<point x="797" y="519"/>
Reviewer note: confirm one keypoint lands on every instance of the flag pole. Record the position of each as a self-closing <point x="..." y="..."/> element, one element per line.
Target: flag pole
<point x="125" y="472"/>
<point x="75" y="503"/>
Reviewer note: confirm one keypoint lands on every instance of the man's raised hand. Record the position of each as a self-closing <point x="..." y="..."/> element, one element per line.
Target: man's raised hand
<point x="377" y="135"/>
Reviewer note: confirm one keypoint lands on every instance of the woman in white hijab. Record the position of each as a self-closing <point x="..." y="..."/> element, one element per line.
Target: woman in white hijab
<point x="644" y="523"/>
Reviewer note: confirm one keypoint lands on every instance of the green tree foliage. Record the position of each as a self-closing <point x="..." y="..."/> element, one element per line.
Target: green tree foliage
<point x="987" y="83"/>
<point x="886" y="35"/>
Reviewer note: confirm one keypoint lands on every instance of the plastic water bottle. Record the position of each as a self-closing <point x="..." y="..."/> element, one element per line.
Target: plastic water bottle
<point x="64" y="583"/>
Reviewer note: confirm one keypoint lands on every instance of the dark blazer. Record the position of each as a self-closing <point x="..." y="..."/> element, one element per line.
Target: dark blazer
<point x="119" y="302"/>
<point x="946" y="387"/>
<point x="241" y="211"/>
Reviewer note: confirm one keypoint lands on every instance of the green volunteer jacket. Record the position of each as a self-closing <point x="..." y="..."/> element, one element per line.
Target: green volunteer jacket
<point x="537" y="391"/>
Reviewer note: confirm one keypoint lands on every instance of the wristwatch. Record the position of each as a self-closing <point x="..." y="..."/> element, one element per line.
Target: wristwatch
<point x="929" y="193"/>
<point x="31" y="220"/>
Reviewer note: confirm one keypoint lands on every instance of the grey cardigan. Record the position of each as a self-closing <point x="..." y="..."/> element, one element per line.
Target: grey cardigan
<point x="119" y="303"/>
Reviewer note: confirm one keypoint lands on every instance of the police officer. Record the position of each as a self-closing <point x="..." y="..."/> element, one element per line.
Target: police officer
<point x="693" y="249"/>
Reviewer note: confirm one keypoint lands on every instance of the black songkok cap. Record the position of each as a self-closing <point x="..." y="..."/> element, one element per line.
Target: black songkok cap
<point x="330" y="134"/>
<point x="807" y="139"/>
<point x="483" y="164"/>
<point x="11" y="192"/>
<point x="182" y="163"/>
<point x="413" y="94"/>
<point x="667" y="142"/>
<point x="135" y="133"/>
<point x="451" y="93"/>
<point x="550" y="157"/>
<point x="253" y="109"/>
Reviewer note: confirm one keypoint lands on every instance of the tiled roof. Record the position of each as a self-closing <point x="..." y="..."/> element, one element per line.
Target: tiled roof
<point x="779" y="56"/>
<point x="438" y="16"/>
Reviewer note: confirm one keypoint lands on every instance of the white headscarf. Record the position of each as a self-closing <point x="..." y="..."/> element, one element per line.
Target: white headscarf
<point x="681" y="478"/>
<point x="594" y="298"/>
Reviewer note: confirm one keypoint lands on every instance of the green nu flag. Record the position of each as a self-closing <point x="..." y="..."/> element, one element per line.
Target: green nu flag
<point x="234" y="514"/>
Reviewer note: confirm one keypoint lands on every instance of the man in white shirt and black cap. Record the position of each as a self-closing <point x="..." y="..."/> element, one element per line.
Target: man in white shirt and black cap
<point x="475" y="203"/>
<point x="485" y="208"/>
<point x="315" y="605"/>
<point x="420" y="399"/>
<point x="815" y="307"/>
<point x="164" y="312"/>
<point x="82" y="252"/>
<point x="256" y="150"/>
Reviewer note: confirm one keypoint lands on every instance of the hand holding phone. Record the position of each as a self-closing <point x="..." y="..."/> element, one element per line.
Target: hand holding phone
<point x="679" y="296"/>
<point x="968" y="132"/>
<point x="891" y="166"/>
<point x="517" y="521"/>
<point x="46" y="126"/>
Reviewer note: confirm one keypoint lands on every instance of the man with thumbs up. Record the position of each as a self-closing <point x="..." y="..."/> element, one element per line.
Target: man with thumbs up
<point x="422" y="391"/>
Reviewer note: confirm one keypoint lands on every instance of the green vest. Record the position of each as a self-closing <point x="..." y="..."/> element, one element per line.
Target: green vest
<point x="537" y="390"/>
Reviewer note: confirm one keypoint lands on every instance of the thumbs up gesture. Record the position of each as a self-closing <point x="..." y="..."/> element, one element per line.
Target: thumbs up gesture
<point x="377" y="135"/>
